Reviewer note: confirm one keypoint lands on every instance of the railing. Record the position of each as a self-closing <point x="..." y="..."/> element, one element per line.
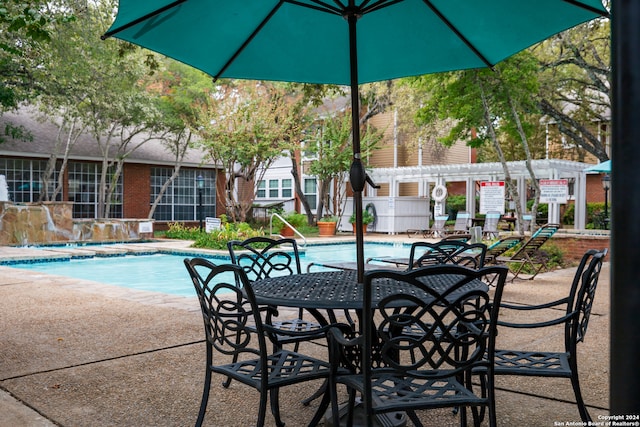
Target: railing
<point x="288" y="225"/>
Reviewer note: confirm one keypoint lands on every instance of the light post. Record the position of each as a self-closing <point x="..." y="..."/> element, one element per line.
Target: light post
<point x="606" y="185"/>
<point x="200" y="185"/>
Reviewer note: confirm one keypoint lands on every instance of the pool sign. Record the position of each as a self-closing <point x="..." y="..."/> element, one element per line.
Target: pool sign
<point x="554" y="190"/>
<point x="492" y="196"/>
<point x="212" y="224"/>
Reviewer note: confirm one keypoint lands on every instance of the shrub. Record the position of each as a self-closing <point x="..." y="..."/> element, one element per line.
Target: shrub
<point x="217" y="239"/>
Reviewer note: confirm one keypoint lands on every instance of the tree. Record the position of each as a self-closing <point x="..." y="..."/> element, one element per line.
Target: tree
<point x="24" y="32"/>
<point x="576" y="83"/>
<point x="487" y="106"/>
<point x="241" y="129"/>
<point x="99" y="87"/>
<point x="180" y="91"/>
<point x="331" y="146"/>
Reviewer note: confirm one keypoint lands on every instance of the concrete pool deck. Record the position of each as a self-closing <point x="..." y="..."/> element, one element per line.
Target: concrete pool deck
<point x="79" y="353"/>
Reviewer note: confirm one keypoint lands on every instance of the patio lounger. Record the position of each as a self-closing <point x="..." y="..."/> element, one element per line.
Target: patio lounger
<point x="500" y="247"/>
<point x="528" y="254"/>
<point x="437" y="229"/>
<point x="490" y="228"/>
<point x="462" y="223"/>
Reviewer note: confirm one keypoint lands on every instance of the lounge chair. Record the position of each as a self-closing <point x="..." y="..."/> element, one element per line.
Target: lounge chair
<point x="462" y="223"/>
<point x="528" y="254"/>
<point x="437" y="229"/>
<point x="490" y="228"/>
<point x="500" y="247"/>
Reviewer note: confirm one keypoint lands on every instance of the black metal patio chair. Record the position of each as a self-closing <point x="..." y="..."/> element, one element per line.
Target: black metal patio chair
<point x="422" y="349"/>
<point x="263" y="257"/>
<point x="237" y="332"/>
<point x="576" y="307"/>
<point x="447" y="252"/>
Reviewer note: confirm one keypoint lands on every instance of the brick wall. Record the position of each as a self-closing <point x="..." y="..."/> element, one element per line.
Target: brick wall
<point x="136" y="188"/>
<point x="574" y="247"/>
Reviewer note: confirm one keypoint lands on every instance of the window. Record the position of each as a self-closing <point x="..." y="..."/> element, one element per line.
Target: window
<point x="180" y="201"/>
<point x="273" y="188"/>
<point x="310" y="192"/>
<point x="84" y="190"/>
<point x="261" y="193"/>
<point x="287" y="191"/>
<point x="24" y="179"/>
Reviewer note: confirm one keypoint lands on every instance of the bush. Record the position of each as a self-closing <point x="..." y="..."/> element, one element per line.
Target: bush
<point x="217" y="239"/>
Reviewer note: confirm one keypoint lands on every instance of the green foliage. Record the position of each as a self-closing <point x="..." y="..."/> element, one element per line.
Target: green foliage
<point x="217" y="239"/>
<point x="367" y="217"/>
<point x="329" y="218"/>
<point x="595" y="215"/>
<point x="297" y="220"/>
<point x="456" y="203"/>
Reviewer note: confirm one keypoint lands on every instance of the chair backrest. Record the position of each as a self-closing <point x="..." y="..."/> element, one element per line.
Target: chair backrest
<point x="447" y="252"/>
<point x="582" y="294"/>
<point x="491" y="220"/>
<point x="429" y="333"/>
<point x="526" y="222"/>
<point x="536" y="240"/>
<point x="501" y="246"/>
<point x="439" y="222"/>
<point x="263" y="257"/>
<point x="232" y="320"/>
<point x="462" y="221"/>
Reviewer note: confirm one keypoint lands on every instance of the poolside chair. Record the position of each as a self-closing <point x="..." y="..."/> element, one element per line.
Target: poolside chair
<point x="527" y="222"/>
<point x="423" y="254"/>
<point x="461" y="225"/>
<point x="438" y="229"/>
<point x="529" y="254"/>
<point x="421" y="349"/>
<point x="576" y="309"/>
<point x="263" y="257"/>
<point x="238" y="330"/>
<point x="500" y="247"/>
<point x="490" y="227"/>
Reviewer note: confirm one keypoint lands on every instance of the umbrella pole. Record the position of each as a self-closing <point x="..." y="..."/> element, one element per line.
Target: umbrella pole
<point x="356" y="173"/>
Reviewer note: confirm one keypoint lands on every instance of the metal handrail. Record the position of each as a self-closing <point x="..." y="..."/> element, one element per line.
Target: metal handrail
<point x="288" y="225"/>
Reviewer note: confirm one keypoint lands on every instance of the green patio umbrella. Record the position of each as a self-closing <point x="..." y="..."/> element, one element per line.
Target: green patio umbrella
<point x="344" y="42"/>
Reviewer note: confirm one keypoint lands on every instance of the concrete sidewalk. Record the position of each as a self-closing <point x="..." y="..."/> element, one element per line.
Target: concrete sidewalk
<point x="78" y="353"/>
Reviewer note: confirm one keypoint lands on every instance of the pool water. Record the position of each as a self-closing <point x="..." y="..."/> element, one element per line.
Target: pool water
<point x="166" y="273"/>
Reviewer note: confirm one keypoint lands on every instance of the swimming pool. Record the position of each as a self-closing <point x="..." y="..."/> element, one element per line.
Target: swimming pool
<point x="166" y="272"/>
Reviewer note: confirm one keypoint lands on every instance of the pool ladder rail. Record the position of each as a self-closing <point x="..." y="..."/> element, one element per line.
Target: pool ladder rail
<point x="295" y="230"/>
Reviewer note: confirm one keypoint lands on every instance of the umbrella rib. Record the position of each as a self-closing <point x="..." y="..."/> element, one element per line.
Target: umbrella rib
<point x="141" y="19"/>
<point x="248" y="40"/>
<point x="587" y="7"/>
<point x="458" y="33"/>
<point x="322" y="6"/>
<point x="381" y="4"/>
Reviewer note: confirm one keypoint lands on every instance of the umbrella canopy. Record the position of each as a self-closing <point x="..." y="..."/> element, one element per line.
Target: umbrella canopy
<point x="343" y="42"/>
<point x="604" y="167"/>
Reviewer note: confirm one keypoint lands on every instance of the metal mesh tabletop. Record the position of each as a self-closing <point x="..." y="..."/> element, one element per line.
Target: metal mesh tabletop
<point x="336" y="289"/>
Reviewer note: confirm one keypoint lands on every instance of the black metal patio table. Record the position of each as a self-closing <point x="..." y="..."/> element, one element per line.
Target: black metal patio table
<point x="337" y="289"/>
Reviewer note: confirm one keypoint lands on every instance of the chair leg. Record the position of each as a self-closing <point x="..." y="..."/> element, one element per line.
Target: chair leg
<point x="324" y="405"/>
<point x="205" y="397"/>
<point x="275" y="406"/>
<point x="575" y="382"/>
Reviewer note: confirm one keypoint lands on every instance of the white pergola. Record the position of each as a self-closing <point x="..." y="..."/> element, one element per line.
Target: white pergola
<point x="470" y="173"/>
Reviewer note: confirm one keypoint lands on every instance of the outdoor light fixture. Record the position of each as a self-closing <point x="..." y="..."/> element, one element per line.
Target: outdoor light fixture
<point x="606" y="185"/>
<point x="200" y="185"/>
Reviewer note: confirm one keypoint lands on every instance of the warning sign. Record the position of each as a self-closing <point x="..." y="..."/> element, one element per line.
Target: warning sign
<point x="554" y="190"/>
<point x="492" y="196"/>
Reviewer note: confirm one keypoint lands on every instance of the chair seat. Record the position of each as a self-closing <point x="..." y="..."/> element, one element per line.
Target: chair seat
<point x="284" y="368"/>
<point x="532" y="363"/>
<point x="393" y="392"/>
<point x="297" y="326"/>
